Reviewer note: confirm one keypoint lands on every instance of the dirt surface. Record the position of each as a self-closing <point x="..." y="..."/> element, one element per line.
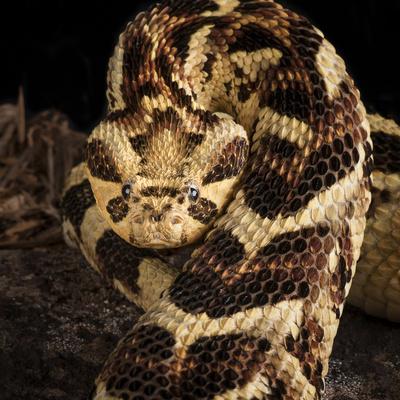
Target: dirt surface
<point x="58" y="323"/>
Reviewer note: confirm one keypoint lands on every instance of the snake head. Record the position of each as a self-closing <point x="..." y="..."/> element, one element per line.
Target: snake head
<point x="165" y="187"/>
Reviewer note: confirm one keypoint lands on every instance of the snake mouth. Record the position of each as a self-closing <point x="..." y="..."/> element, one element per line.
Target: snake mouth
<point x="158" y="244"/>
<point x="162" y="244"/>
<point x="155" y="241"/>
<point x="159" y="241"/>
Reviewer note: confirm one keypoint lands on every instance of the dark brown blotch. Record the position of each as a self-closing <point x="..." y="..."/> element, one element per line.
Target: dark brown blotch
<point x="244" y="93"/>
<point x="211" y="58"/>
<point x="219" y="363"/>
<point x="140" y="364"/>
<point x="76" y="201"/>
<point x="119" y="259"/>
<point x="201" y="288"/>
<point x="229" y="163"/>
<point x="117" y="208"/>
<point x="166" y="119"/>
<point x="139" y="144"/>
<point x="282" y="180"/>
<point x="378" y="197"/>
<point x="203" y="210"/>
<point x="193" y="140"/>
<point x="145" y="364"/>
<point x="101" y="163"/>
<point x="308" y="350"/>
<point x="281" y="271"/>
<point x="252" y="37"/>
<point x="117" y="115"/>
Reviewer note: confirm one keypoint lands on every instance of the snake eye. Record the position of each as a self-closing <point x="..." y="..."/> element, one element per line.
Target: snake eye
<point x="126" y="190"/>
<point x="193" y="193"/>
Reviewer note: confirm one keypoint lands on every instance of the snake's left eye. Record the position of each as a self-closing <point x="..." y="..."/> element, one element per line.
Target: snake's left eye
<point x="193" y="193"/>
<point x="126" y="191"/>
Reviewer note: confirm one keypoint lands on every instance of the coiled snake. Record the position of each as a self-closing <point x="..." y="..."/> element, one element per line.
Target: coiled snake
<point x="233" y="130"/>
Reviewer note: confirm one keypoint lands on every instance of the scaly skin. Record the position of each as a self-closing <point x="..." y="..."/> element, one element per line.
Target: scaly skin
<point x="376" y="285"/>
<point x="247" y="103"/>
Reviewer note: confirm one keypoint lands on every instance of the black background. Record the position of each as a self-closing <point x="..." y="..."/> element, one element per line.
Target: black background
<point x="58" y="51"/>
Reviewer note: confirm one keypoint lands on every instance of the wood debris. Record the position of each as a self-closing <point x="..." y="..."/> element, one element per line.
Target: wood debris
<point x="36" y="155"/>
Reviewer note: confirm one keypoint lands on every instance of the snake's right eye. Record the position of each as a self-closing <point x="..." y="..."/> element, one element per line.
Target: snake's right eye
<point x="126" y="191"/>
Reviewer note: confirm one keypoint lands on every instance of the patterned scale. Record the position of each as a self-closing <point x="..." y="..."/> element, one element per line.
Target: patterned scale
<point x="234" y="129"/>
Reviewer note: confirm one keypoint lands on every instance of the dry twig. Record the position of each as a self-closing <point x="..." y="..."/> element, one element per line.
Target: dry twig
<point x="36" y="155"/>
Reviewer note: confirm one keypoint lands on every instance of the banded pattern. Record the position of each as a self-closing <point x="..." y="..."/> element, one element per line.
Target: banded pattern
<point x="236" y="118"/>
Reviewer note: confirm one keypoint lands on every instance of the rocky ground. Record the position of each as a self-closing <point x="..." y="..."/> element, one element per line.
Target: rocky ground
<point x="58" y="323"/>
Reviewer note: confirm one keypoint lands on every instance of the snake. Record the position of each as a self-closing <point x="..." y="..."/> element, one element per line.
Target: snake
<point x="230" y="190"/>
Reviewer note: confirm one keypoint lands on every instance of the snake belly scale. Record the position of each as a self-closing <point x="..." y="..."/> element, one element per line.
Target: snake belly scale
<point x="227" y="192"/>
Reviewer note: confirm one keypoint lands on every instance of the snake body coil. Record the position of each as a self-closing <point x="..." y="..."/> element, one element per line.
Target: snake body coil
<point x="234" y="129"/>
